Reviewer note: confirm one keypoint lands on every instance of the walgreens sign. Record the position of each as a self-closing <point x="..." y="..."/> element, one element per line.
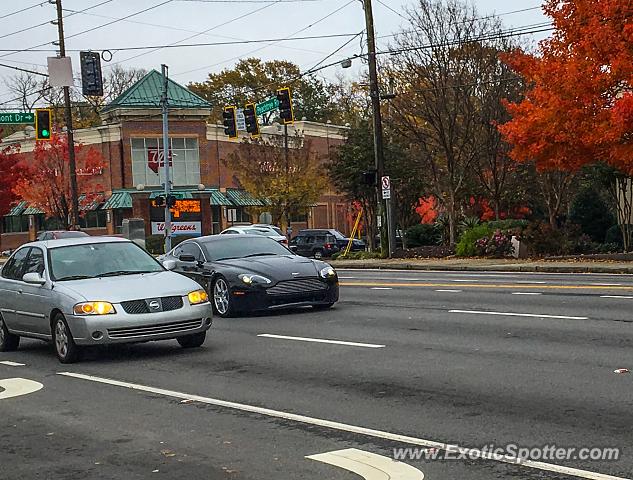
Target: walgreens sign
<point x="178" y="228"/>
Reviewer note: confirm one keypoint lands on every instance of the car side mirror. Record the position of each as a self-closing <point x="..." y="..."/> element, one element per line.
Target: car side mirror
<point x="187" y="259"/>
<point x="170" y="264"/>
<point x="33" y="278"/>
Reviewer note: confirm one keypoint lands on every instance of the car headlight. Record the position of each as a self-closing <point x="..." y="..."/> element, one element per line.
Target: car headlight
<point x="249" y="279"/>
<point x="197" y="297"/>
<point x="327" y="272"/>
<point x="94" y="308"/>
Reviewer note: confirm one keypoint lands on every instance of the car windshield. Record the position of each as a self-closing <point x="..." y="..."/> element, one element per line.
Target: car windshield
<point x="100" y="260"/>
<point x="228" y="248"/>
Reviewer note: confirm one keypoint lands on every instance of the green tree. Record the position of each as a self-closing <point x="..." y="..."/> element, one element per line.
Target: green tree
<point x="255" y="80"/>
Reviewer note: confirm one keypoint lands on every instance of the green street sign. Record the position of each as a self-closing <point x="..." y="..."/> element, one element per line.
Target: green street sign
<point x="14" y="118"/>
<point x="267" y="106"/>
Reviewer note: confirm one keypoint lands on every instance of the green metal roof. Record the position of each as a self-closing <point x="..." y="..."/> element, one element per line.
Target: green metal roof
<point x="242" y="198"/>
<point x="147" y="93"/>
<point x="118" y="200"/>
<point x="179" y="194"/>
<point x="17" y="210"/>
<point x="218" y="198"/>
<point x="33" y="211"/>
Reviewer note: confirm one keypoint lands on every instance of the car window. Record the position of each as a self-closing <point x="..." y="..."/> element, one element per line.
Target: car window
<point x="258" y="231"/>
<point x="230" y="232"/>
<point x="15" y="266"/>
<point x="320" y="239"/>
<point x="35" y="262"/>
<point x="330" y="239"/>
<point x="240" y="247"/>
<point x="190" y="248"/>
<point x="176" y="252"/>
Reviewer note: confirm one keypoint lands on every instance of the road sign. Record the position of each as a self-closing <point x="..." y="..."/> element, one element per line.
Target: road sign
<point x="267" y="106"/>
<point x="14" y="118"/>
<point x="385" y="183"/>
<point x="241" y="120"/>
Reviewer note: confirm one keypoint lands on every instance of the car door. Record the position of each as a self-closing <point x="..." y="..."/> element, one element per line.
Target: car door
<point x="304" y="245"/>
<point x="34" y="301"/>
<point x="192" y="270"/>
<point x="10" y="286"/>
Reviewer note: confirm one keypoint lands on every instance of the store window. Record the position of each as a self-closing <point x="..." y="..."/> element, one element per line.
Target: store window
<point x="148" y="161"/>
<point x="15" y="224"/>
<point x="94" y="219"/>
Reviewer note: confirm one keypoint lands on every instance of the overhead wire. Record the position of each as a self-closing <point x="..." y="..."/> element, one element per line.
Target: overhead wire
<point x="38" y="4"/>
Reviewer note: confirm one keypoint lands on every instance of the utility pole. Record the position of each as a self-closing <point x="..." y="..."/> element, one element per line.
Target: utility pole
<point x="374" y="94"/>
<point x="286" y="156"/>
<point x="165" y="110"/>
<point x="72" y="165"/>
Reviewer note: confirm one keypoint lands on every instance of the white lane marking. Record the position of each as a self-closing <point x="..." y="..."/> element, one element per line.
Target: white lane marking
<point x="347" y="278"/>
<point x="511" y="314"/>
<point x="469" y="281"/>
<point x="475" y="453"/>
<point x="449" y="291"/>
<point x="615" y="296"/>
<point x="606" y="284"/>
<point x="15" y="387"/>
<point x="381" y="288"/>
<point x="534" y="282"/>
<point x="321" y="340"/>
<point x="368" y="465"/>
<point x="9" y="363"/>
<point x="526" y="293"/>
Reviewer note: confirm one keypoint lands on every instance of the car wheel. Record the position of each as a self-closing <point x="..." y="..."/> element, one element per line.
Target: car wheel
<point x="222" y="303"/>
<point x="323" y="306"/>
<point x="318" y="254"/>
<point x="192" y="341"/>
<point x="8" y="341"/>
<point x="65" y="347"/>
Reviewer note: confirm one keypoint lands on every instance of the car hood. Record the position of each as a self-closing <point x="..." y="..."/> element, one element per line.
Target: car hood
<point x="129" y="287"/>
<point x="276" y="268"/>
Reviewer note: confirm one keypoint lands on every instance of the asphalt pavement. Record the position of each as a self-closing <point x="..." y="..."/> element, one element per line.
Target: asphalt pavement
<point x="406" y="359"/>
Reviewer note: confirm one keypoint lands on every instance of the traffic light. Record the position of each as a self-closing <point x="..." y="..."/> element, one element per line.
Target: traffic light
<point x="159" y="202"/>
<point x="250" y="116"/>
<point x="230" y="121"/>
<point x="285" y="105"/>
<point x="171" y="201"/>
<point x="43" y="124"/>
<point x="91" y="78"/>
<point x="369" y="177"/>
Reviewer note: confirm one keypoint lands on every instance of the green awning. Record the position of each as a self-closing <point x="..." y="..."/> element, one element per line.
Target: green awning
<point x="33" y="211"/>
<point x="180" y="195"/>
<point x="218" y="198"/>
<point x="118" y="200"/>
<point x="242" y="198"/>
<point x="17" y="210"/>
<point x="90" y="205"/>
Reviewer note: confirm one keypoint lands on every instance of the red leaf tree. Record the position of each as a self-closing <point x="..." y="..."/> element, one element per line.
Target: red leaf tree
<point x="578" y="108"/>
<point x="11" y="172"/>
<point x="46" y="184"/>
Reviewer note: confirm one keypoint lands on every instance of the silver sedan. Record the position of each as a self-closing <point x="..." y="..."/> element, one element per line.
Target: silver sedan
<point x="94" y="291"/>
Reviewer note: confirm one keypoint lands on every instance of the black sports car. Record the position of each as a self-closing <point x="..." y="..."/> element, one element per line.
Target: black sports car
<point x="244" y="273"/>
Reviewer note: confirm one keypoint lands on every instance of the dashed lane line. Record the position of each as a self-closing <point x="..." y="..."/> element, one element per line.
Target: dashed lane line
<point x="514" y="314"/>
<point x="322" y="340"/>
<point x="368" y="432"/>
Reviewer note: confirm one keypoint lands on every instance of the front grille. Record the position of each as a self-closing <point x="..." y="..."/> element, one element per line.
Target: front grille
<point x="145" y="330"/>
<point x="136" y="307"/>
<point x="299" y="286"/>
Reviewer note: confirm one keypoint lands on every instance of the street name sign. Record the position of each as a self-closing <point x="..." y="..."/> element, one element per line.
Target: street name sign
<point x="267" y="106"/>
<point x="15" y="118"/>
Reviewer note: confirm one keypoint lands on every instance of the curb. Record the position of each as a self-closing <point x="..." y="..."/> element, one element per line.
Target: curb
<point x="488" y="268"/>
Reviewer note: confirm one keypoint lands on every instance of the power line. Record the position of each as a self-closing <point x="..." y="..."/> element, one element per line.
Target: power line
<point x="392" y="9"/>
<point x="22" y="10"/>
<point x="201" y="33"/>
<point x="272" y="43"/>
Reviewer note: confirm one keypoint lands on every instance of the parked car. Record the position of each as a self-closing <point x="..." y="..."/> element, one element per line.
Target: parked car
<point x="272" y="227"/>
<point x="59" y="234"/>
<point x="319" y="243"/>
<point x="265" y="231"/>
<point x="94" y="291"/>
<point x="248" y="273"/>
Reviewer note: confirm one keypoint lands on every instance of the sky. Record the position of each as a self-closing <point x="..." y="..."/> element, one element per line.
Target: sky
<point x="165" y="22"/>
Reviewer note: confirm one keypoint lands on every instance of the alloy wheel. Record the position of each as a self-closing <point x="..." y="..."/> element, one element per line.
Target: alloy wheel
<point x="221" y="296"/>
<point x="61" y="338"/>
<point x="2" y="327"/>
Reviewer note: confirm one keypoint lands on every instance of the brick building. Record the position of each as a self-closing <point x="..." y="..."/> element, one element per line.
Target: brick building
<point x="130" y="141"/>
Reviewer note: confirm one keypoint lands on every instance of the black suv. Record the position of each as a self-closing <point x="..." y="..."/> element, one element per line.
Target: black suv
<point x="319" y="243"/>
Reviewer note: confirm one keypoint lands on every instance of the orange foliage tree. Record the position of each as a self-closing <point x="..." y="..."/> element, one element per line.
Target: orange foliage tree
<point x="578" y="108"/>
<point x="46" y="183"/>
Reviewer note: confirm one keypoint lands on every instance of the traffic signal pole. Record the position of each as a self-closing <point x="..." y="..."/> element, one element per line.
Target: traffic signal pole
<point x="165" y="112"/>
<point x="374" y="93"/>
<point x="72" y="165"/>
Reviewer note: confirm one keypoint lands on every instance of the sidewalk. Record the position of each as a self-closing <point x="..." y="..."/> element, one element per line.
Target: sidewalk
<point x="497" y="265"/>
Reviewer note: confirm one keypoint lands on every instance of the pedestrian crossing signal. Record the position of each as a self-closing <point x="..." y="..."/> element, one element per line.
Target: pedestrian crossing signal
<point x="43" y="124"/>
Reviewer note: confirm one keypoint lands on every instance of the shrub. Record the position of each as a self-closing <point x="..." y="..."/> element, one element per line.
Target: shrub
<point x="497" y="245"/>
<point x="421" y="235"/>
<point x="466" y="245"/>
<point x="358" y="256"/>
<point x="592" y="214"/>
<point x="469" y="222"/>
<point x="509" y="224"/>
